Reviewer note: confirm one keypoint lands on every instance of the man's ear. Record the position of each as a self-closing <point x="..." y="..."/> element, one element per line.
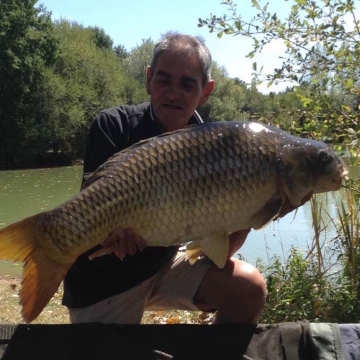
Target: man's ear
<point x="148" y="79"/>
<point x="209" y="87"/>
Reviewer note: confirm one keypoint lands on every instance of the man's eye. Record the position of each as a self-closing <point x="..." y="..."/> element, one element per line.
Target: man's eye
<point x="163" y="81"/>
<point x="188" y="86"/>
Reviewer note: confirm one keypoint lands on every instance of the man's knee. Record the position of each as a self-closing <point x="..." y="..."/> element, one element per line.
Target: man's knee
<point x="246" y="288"/>
<point x="237" y="284"/>
<point x="249" y="277"/>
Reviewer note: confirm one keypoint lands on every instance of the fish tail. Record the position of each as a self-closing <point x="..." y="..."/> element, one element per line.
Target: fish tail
<point x="41" y="275"/>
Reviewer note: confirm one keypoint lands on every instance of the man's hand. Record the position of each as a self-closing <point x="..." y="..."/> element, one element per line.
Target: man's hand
<point x="121" y="242"/>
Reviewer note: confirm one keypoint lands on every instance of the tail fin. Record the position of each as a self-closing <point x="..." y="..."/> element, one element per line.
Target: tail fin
<point x="41" y="275"/>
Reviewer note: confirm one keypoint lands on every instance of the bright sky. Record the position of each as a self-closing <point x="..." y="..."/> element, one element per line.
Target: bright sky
<point x="128" y="22"/>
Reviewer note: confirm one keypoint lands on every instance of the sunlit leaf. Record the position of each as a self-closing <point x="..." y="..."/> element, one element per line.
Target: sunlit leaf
<point x="349" y="83"/>
<point x="255" y="4"/>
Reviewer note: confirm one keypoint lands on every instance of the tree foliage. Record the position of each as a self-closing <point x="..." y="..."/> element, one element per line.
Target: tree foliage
<point x="134" y="65"/>
<point x="322" y="58"/>
<point x="28" y="45"/>
<point x="85" y="79"/>
<point x="101" y="39"/>
<point x="56" y="75"/>
<point x="321" y="38"/>
<point x="227" y="99"/>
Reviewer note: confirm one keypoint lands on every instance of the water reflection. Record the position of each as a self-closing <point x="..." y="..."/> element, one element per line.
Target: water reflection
<point x="27" y="192"/>
<point x="293" y="230"/>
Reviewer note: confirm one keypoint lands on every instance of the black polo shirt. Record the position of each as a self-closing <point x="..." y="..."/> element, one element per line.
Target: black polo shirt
<point x="90" y="281"/>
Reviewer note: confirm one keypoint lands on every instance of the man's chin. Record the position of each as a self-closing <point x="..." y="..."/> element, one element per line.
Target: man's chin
<point x="175" y="114"/>
<point x="171" y="122"/>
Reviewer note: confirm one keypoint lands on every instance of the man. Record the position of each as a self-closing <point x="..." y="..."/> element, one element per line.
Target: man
<point x="117" y="288"/>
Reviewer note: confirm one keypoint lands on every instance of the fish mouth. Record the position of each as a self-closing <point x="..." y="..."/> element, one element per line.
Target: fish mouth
<point x="338" y="179"/>
<point x="332" y="183"/>
<point x="344" y="175"/>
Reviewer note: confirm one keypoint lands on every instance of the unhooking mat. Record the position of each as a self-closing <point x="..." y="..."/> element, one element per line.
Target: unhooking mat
<point x="284" y="341"/>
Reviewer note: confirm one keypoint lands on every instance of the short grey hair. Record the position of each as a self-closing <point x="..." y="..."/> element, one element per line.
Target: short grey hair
<point x="186" y="42"/>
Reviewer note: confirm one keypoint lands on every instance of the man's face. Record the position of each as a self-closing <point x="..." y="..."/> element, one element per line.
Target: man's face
<point x="175" y="88"/>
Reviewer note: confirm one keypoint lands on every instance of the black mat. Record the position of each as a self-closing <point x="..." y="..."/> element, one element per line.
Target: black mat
<point x="285" y="341"/>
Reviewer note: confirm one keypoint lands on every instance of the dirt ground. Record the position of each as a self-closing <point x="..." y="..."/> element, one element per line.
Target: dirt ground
<point x="55" y="313"/>
<point x="10" y="309"/>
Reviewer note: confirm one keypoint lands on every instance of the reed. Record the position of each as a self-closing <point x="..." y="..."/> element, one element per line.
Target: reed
<point x="348" y="227"/>
<point x="317" y="221"/>
<point x="321" y="250"/>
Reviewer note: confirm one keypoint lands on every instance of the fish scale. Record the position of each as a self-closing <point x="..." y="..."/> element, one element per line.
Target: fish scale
<point x="197" y="184"/>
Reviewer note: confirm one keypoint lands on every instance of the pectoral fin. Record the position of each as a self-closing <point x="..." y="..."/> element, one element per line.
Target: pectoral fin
<point x="215" y="247"/>
<point x="268" y="213"/>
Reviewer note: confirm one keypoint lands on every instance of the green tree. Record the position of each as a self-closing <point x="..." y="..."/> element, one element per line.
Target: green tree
<point x="139" y="58"/>
<point x="101" y="39"/>
<point x="134" y="66"/>
<point x="227" y="99"/>
<point x="28" y="45"/>
<point x="85" y="79"/>
<point x="254" y="101"/>
<point x="121" y="52"/>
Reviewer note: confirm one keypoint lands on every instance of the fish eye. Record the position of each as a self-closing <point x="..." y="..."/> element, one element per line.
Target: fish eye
<point x="324" y="156"/>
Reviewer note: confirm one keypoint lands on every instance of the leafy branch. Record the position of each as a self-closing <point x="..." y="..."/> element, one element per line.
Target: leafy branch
<point x="321" y="43"/>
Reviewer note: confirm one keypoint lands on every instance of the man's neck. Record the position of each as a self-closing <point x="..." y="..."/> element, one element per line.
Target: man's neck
<point x="170" y="126"/>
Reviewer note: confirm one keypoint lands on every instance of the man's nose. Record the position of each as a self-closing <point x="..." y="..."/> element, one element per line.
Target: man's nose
<point x="172" y="91"/>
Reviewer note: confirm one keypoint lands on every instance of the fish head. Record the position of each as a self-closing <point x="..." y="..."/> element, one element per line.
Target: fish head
<point x="329" y="171"/>
<point x="309" y="166"/>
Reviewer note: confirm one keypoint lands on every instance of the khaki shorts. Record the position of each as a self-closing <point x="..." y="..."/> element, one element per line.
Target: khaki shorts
<point x="174" y="287"/>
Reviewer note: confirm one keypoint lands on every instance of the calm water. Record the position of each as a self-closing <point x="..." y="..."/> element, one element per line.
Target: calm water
<point x="27" y="192"/>
<point x="293" y="230"/>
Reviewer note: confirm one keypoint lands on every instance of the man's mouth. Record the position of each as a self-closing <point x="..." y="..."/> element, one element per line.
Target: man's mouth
<point x="171" y="107"/>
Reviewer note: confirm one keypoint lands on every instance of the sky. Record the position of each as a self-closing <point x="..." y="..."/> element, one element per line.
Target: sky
<point x="127" y="22"/>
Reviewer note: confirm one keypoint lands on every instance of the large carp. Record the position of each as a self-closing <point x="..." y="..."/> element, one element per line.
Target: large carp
<point x="197" y="184"/>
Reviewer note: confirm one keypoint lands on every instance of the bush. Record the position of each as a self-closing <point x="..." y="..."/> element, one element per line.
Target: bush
<point x="297" y="290"/>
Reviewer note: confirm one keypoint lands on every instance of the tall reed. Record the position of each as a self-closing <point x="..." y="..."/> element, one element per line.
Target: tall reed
<point x="348" y="226"/>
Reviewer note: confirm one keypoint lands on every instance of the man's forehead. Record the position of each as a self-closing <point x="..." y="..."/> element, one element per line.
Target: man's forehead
<point x="166" y="74"/>
<point x="168" y="65"/>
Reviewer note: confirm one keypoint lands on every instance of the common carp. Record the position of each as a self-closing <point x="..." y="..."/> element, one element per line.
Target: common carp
<point x="194" y="185"/>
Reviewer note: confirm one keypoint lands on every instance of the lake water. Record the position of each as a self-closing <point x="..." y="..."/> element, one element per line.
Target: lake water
<point x="27" y="192"/>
